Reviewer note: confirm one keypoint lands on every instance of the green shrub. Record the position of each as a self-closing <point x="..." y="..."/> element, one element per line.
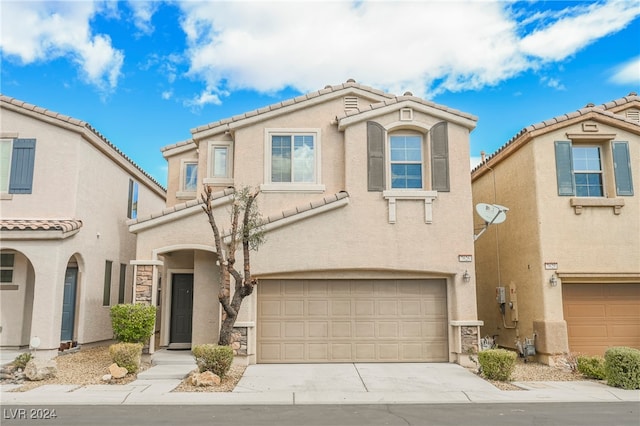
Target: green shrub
<point x="133" y="323"/>
<point x="214" y="358"/>
<point x="22" y="360"/>
<point x="497" y="364"/>
<point x="622" y="367"/>
<point x="591" y="366"/>
<point x="127" y="355"/>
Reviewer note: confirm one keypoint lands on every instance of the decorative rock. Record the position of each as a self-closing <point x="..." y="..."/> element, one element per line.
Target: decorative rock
<point x="106" y="377"/>
<point x="205" y="379"/>
<point x="40" y="369"/>
<point x="117" y="372"/>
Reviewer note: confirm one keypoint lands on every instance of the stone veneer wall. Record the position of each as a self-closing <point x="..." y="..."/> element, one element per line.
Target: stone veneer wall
<point x="469" y="336"/>
<point x="239" y="341"/>
<point x="144" y="284"/>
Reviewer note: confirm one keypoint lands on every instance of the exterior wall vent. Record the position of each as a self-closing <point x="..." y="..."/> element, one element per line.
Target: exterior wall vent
<point x="406" y="114"/>
<point x="633" y="115"/>
<point x="350" y="103"/>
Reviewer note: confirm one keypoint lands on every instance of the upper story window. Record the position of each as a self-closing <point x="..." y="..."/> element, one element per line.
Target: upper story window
<point x="587" y="170"/>
<point x="292" y="160"/>
<point x="132" y="205"/>
<point x="17" y="157"/>
<point x="582" y="170"/>
<point x="411" y="160"/>
<point x="190" y="182"/>
<point x="406" y="161"/>
<point x="219" y="163"/>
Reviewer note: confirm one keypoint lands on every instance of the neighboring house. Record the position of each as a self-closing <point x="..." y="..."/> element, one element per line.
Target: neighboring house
<point x="369" y="236"/>
<point x="568" y="254"/>
<point x="65" y="196"/>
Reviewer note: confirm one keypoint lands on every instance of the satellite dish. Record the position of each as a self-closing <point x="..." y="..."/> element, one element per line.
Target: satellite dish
<point x="492" y="213"/>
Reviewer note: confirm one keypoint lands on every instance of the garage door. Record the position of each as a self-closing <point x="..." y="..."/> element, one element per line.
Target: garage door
<point x="601" y="315"/>
<point x="352" y="320"/>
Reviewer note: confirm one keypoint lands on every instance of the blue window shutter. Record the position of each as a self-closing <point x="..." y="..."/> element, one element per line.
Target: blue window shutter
<point x="622" y="168"/>
<point x="440" y="157"/>
<point x="22" y="160"/>
<point x="375" y="157"/>
<point x="564" y="168"/>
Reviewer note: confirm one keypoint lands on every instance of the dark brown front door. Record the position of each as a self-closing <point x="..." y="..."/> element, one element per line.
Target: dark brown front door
<point x="181" y="308"/>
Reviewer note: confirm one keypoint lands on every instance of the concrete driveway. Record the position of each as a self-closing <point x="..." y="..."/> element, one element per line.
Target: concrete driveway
<point x="361" y="377"/>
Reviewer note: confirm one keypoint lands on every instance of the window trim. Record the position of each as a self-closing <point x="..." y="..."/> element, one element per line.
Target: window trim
<point x="7" y="171"/>
<point x="132" y="200"/>
<point x="183" y="193"/>
<point x="210" y="178"/>
<point x="10" y="268"/>
<point x="422" y="162"/>
<point x="315" y="186"/>
<point x="106" y="290"/>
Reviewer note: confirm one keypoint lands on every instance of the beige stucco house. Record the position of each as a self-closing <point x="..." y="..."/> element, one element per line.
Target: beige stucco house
<point x="568" y="254"/>
<point x="369" y="245"/>
<point x="65" y="196"/>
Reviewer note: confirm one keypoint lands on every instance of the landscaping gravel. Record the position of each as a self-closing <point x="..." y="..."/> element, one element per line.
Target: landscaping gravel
<point x="88" y="365"/>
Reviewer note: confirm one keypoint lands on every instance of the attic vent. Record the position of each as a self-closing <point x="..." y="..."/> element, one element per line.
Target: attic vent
<point x="633" y="115"/>
<point x="350" y="103"/>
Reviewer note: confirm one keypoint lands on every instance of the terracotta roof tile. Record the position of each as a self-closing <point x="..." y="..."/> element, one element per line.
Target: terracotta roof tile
<point x="600" y="109"/>
<point x="64" y="225"/>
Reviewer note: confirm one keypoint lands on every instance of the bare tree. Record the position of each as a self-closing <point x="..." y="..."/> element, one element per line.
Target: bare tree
<point x="249" y="232"/>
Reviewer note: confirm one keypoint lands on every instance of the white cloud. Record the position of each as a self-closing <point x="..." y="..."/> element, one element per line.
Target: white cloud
<point x="424" y="47"/>
<point x="43" y="31"/>
<point x="142" y="13"/>
<point x="577" y="27"/>
<point x="554" y="83"/>
<point x="627" y="73"/>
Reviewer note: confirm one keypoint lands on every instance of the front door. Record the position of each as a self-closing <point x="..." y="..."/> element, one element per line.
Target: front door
<point x="69" y="304"/>
<point x="181" y="308"/>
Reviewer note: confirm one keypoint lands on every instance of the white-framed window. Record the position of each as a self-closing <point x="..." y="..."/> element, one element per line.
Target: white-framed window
<point x="219" y="163"/>
<point x="6" y="267"/>
<point x="188" y="179"/>
<point x="587" y="171"/>
<point x="132" y="208"/>
<point x="292" y="160"/>
<point x="406" y="161"/>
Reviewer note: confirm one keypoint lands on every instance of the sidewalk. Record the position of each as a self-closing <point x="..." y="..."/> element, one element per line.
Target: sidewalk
<point x="300" y="384"/>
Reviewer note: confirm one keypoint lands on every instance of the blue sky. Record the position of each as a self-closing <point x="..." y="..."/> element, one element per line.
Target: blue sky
<point x="144" y="73"/>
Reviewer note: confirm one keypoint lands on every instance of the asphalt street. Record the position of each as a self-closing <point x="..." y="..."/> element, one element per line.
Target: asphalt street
<point x="502" y="414"/>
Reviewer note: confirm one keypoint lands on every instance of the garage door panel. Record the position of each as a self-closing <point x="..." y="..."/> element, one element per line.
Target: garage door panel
<point x="601" y="315"/>
<point x="319" y="329"/>
<point x="318" y="308"/>
<point x="587" y="311"/>
<point x="623" y="310"/>
<point x="351" y="320"/>
<point x="341" y="329"/>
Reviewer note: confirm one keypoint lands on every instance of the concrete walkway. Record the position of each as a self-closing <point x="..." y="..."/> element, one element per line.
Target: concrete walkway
<point x="297" y="384"/>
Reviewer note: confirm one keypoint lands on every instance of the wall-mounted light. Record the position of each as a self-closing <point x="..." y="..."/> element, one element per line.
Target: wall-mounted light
<point x="553" y="281"/>
<point x="466" y="277"/>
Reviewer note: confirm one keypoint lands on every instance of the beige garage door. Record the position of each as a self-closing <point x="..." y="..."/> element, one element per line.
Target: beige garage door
<point x="601" y="315"/>
<point x="352" y="320"/>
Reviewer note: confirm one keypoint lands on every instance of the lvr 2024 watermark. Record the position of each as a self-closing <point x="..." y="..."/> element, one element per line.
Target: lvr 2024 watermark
<point x="29" y="413"/>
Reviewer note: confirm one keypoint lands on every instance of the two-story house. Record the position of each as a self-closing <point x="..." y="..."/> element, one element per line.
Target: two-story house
<point x="369" y="231"/>
<point x="568" y="254"/>
<point x="66" y="194"/>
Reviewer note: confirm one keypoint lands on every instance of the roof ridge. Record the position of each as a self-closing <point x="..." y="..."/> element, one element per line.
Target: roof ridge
<point x="292" y="101"/>
<point x="590" y="108"/>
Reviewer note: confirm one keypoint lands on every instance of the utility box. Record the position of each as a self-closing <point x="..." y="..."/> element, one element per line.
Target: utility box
<point x="513" y="302"/>
<point x="501" y="296"/>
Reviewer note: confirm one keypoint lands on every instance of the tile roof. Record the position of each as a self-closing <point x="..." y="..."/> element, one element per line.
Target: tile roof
<point x="350" y="84"/>
<point x="74" y="121"/>
<point x="408" y="97"/>
<point x="64" y="225"/>
<point x="602" y="110"/>
<point x="267" y="220"/>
